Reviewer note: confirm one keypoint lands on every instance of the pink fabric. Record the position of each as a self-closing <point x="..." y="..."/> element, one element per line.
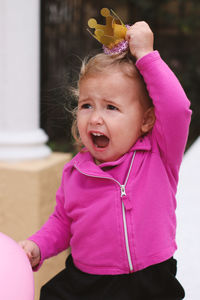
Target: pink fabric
<point x="88" y="213"/>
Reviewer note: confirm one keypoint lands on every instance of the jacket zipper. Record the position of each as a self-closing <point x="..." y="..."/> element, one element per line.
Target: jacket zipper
<point x="123" y="193"/>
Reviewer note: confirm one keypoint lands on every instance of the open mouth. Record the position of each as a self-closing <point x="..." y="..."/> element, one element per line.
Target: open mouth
<point x="99" y="140"/>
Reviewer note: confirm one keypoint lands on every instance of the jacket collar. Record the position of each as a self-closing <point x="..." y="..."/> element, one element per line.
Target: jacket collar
<point x="142" y="144"/>
<point x="84" y="162"/>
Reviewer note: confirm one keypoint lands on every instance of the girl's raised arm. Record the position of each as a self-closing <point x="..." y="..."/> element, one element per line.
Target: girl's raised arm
<point x="169" y="99"/>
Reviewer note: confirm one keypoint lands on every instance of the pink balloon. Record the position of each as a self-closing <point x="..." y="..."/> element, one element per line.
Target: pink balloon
<point x="16" y="276"/>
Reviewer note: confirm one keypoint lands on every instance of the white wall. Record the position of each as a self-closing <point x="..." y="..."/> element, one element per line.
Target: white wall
<point x="188" y="216"/>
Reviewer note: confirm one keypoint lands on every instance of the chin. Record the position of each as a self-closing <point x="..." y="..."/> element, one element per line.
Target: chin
<point x="101" y="160"/>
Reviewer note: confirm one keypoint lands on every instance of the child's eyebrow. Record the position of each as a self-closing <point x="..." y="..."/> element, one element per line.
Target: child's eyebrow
<point x="107" y="101"/>
<point x="111" y="102"/>
<point x="83" y="100"/>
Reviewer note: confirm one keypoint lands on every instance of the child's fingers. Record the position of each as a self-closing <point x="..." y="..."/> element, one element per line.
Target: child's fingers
<point x="140" y="38"/>
<point x="135" y="26"/>
<point x="26" y="249"/>
<point x="25" y="246"/>
<point x="30" y="256"/>
<point x="31" y="251"/>
<point x="35" y="261"/>
<point x="22" y="244"/>
<point x="137" y="29"/>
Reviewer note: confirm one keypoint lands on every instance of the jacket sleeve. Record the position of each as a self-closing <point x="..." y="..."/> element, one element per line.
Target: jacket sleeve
<point x="171" y="109"/>
<point x="54" y="235"/>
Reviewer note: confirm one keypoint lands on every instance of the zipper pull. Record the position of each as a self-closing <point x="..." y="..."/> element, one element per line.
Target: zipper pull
<point x="123" y="191"/>
<point x="125" y="198"/>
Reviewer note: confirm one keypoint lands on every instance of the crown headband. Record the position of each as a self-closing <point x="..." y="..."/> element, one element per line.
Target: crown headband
<point x="112" y="34"/>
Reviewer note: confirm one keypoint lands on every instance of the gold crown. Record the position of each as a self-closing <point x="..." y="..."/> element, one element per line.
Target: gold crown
<point x="110" y="34"/>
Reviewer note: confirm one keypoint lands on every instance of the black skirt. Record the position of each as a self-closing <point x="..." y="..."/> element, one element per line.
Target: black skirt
<point x="157" y="282"/>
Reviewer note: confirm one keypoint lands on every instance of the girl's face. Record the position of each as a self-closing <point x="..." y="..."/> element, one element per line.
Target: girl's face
<point x="110" y="116"/>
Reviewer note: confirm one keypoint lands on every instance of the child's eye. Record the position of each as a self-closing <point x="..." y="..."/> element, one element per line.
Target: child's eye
<point x="85" y="106"/>
<point x="111" y="107"/>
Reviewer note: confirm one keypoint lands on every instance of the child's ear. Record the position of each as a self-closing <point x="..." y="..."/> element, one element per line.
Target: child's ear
<point x="148" y="120"/>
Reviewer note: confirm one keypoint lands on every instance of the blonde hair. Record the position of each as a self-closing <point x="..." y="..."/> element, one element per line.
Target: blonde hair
<point x="102" y="63"/>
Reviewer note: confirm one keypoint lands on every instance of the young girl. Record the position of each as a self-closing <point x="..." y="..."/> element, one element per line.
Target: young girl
<point x="116" y="203"/>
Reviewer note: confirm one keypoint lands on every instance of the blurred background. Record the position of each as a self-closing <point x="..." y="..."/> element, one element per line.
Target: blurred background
<point x="65" y="42"/>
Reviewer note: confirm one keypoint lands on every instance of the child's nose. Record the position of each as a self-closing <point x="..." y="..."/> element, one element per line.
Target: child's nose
<point x="96" y="118"/>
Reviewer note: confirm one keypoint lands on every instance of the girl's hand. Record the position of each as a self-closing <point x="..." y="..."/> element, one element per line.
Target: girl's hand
<point x="140" y="38"/>
<point x="32" y="251"/>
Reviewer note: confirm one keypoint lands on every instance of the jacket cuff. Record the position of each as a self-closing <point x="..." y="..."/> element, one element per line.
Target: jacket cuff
<point x="143" y="62"/>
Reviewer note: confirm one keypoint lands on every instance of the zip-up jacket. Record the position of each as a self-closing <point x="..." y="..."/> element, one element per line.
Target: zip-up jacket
<point x="119" y="217"/>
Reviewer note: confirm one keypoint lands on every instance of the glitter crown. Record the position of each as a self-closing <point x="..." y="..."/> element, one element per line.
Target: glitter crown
<point x="112" y="34"/>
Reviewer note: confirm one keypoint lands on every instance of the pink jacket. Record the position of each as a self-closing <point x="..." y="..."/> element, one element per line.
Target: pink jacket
<point x="119" y="217"/>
